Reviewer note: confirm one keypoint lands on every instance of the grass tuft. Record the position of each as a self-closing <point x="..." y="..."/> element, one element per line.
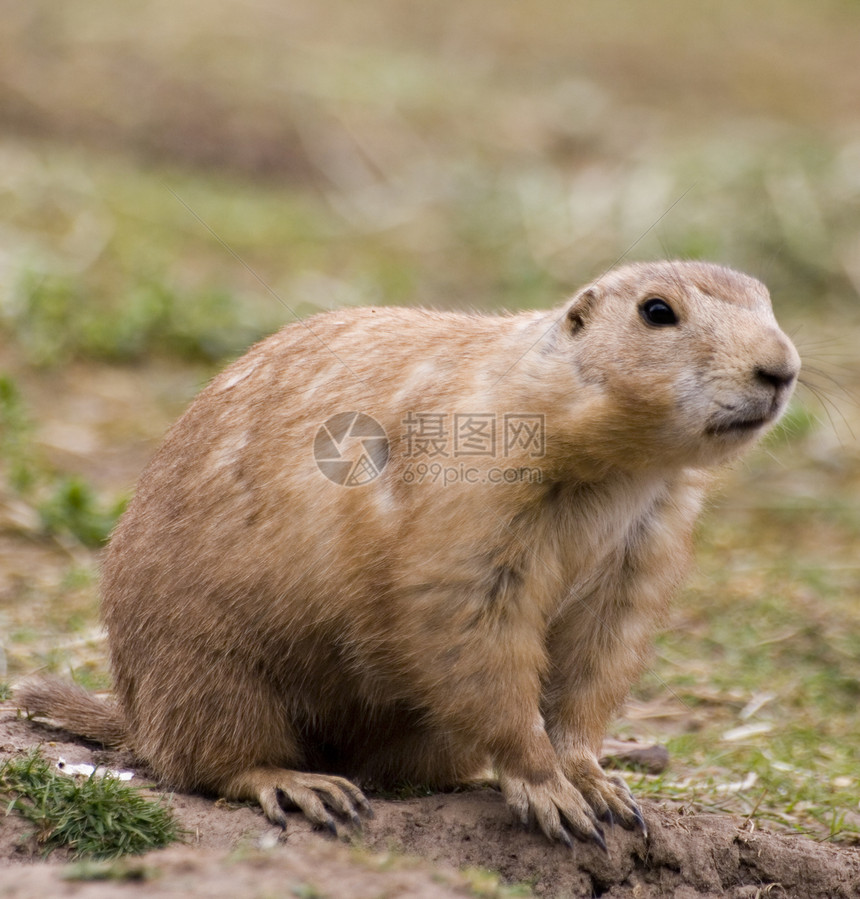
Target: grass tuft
<point x="56" y="320"/>
<point x="118" y="871"/>
<point x="97" y="817"/>
<point x="73" y="508"/>
<point x="64" y="504"/>
<point x="15" y="436"/>
<point x="489" y="885"/>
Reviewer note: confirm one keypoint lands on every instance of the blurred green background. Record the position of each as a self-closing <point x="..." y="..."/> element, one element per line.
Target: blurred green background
<point x="177" y="180"/>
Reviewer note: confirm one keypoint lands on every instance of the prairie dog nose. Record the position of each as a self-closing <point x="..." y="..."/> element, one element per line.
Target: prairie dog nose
<point x="779" y="376"/>
<point x="780" y="363"/>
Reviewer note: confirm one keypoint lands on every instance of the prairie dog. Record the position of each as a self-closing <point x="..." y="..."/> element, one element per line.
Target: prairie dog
<point x="397" y="545"/>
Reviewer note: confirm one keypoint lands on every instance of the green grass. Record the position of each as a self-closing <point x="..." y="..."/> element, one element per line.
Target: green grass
<point x="64" y="504"/>
<point x="73" y="508"/>
<point x="490" y="885"/>
<point x="56" y="321"/>
<point x="123" y="870"/>
<point x="94" y="817"/>
<point x="773" y="645"/>
<point x="15" y="437"/>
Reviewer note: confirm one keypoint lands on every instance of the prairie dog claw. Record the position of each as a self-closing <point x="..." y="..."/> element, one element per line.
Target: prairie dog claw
<point x="313" y="794"/>
<point x="575" y="805"/>
<point x="552" y="804"/>
<point x="609" y="797"/>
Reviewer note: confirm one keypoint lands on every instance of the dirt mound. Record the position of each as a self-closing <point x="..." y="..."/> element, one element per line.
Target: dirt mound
<point x="684" y="854"/>
<point x="234" y="851"/>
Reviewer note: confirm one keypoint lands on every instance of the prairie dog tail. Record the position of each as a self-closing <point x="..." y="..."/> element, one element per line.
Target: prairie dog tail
<point x="75" y="709"/>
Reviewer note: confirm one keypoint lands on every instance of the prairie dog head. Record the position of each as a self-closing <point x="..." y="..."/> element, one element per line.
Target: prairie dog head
<point x="684" y="359"/>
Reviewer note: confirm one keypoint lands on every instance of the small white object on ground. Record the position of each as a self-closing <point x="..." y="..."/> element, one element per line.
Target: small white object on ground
<point x="90" y="770"/>
<point x="747" y="730"/>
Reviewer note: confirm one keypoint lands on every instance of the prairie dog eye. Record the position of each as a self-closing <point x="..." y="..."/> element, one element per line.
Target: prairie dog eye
<point x="658" y="313"/>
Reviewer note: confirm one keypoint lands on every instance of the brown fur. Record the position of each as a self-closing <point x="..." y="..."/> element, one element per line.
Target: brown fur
<point x="265" y="622"/>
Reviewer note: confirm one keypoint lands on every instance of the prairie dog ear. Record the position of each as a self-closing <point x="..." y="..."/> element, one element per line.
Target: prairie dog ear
<point x="579" y="310"/>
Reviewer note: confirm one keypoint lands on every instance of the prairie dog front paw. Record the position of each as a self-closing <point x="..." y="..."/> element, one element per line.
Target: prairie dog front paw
<point x="557" y="807"/>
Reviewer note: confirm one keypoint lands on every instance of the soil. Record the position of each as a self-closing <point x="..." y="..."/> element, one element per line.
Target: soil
<point x="419" y="848"/>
